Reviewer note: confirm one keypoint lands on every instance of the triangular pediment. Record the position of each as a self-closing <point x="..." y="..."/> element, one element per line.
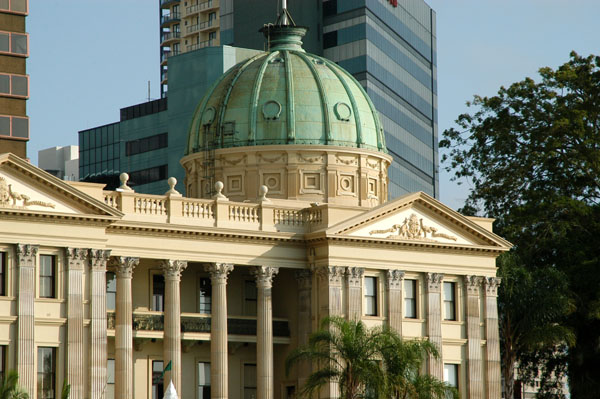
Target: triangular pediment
<point x="418" y="218"/>
<point x="26" y="188"/>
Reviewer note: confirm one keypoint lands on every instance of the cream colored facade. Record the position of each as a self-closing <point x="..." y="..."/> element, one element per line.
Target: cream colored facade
<point x="275" y="267"/>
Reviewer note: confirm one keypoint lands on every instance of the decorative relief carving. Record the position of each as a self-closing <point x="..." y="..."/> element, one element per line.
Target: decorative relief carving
<point x="334" y="274"/>
<point x="264" y="275"/>
<point x="318" y="158"/>
<point x="281" y="157"/>
<point x="346" y="161"/>
<point x="218" y="271"/>
<point x="172" y="269"/>
<point x="9" y="198"/>
<point x="26" y="254"/>
<point x="76" y="258"/>
<point x="355" y="275"/>
<point x="472" y="283"/>
<point x="304" y="278"/>
<point x="124" y="265"/>
<point x="99" y="259"/>
<point x="372" y="165"/>
<point x="230" y="161"/>
<point x="491" y="285"/>
<point x="394" y="279"/>
<point x="434" y="281"/>
<point x="413" y="229"/>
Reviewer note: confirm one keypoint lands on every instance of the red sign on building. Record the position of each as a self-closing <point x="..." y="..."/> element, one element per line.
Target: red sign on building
<point x="394" y="3"/>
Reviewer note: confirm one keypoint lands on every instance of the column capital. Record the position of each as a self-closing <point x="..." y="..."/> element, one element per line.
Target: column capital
<point x="218" y="271"/>
<point x="334" y="274"/>
<point x="394" y="279"/>
<point x="472" y="284"/>
<point x="76" y="258"/>
<point x="434" y="281"/>
<point x="491" y="285"/>
<point x="355" y="275"/>
<point x="124" y="265"/>
<point x="98" y="259"/>
<point x="264" y="275"/>
<point x="172" y="269"/>
<point x="304" y="278"/>
<point x="26" y="254"/>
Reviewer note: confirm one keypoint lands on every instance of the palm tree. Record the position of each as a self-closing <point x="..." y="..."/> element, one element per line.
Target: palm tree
<point x="368" y="363"/>
<point x="9" y="388"/>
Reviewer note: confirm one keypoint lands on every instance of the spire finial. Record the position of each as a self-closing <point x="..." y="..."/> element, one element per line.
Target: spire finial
<point x="284" y="18"/>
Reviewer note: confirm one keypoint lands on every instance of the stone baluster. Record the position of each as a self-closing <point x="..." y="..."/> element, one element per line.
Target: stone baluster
<point x="26" y="262"/>
<point x="394" y="281"/>
<point x="264" y="331"/>
<point x="172" y="270"/>
<point x="98" y="337"/>
<point x="304" y="278"/>
<point x="434" y="322"/>
<point x="124" y="327"/>
<point x="474" y="362"/>
<point x="76" y="259"/>
<point x="218" y="330"/>
<point x="354" y="279"/>
<point x="492" y="338"/>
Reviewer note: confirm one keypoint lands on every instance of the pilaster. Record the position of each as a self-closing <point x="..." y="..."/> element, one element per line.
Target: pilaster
<point x="218" y="330"/>
<point x="394" y="280"/>
<point x="172" y="270"/>
<point x="354" y="279"/>
<point x="492" y="337"/>
<point x="98" y="259"/>
<point x="304" y="279"/>
<point x="76" y="259"/>
<point x="264" y="330"/>
<point x="434" y="322"/>
<point x="474" y="362"/>
<point x="26" y="262"/>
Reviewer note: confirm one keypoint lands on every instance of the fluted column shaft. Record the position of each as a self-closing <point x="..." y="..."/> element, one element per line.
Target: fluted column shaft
<point x="76" y="258"/>
<point x="492" y="337"/>
<point x="474" y="364"/>
<point x="218" y="330"/>
<point x="394" y="281"/>
<point x="264" y="331"/>
<point x="172" y="270"/>
<point x="434" y="322"/>
<point x="26" y="261"/>
<point x="354" y="278"/>
<point x="124" y="328"/>
<point x="304" y="278"/>
<point x="98" y="337"/>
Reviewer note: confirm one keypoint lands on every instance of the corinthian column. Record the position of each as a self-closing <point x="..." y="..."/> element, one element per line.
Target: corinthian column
<point x="26" y="261"/>
<point x="354" y="287"/>
<point x="434" y="322"/>
<point x="98" y="345"/>
<point x="492" y="337"/>
<point x="124" y="327"/>
<point x="172" y="339"/>
<point x="304" y="278"/>
<point x="474" y="366"/>
<point x="394" y="280"/>
<point x="264" y="330"/>
<point x="76" y="258"/>
<point x="218" y="330"/>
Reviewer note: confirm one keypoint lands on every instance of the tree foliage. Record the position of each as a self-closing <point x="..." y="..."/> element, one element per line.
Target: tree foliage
<point x="367" y="363"/>
<point x="532" y="154"/>
<point x="9" y="387"/>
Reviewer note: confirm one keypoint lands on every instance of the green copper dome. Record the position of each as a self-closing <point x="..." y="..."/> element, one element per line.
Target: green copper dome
<point x="285" y="96"/>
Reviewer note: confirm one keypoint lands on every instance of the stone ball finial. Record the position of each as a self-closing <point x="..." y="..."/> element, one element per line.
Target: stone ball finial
<point x="172" y="182"/>
<point x="124" y="178"/>
<point x="219" y="187"/>
<point x="262" y="193"/>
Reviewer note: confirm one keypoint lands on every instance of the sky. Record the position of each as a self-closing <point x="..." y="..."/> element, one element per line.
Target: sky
<point x="89" y="58"/>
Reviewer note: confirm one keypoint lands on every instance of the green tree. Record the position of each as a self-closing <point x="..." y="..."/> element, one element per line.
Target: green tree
<point x="9" y="387"/>
<point x="532" y="154"/>
<point x="367" y="363"/>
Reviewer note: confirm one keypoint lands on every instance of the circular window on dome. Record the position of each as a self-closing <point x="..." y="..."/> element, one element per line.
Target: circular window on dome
<point x="318" y="61"/>
<point x="271" y="110"/>
<point x="342" y="111"/>
<point x="208" y="116"/>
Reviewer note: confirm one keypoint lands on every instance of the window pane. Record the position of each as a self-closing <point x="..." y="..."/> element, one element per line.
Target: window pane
<point x="449" y="311"/>
<point x="111" y="291"/>
<point x="204" y="296"/>
<point x="18" y="5"/>
<point x="19" y="85"/>
<point x="449" y="291"/>
<point x="4" y="4"/>
<point x="19" y="43"/>
<point x="5" y="84"/>
<point x="370" y="286"/>
<point x="4" y="126"/>
<point x="203" y="380"/>
<point x="20" y="127"/>
<point x="370" y="306"/>
<point x="2" y="288"/>
<point x="4" y="42"/>
<point x="451" y="374"/>
<point x="158" y="292"/>
<point x="110" y="368"/>
<point x="410" y="300"/>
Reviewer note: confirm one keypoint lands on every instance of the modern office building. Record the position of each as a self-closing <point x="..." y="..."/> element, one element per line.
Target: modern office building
<point x="62" y="162"/>
<point x="388" y="46"/>
<point x="14" y="81"/>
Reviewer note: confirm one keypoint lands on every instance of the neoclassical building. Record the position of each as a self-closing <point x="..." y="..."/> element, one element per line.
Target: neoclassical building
<point x="285" y="221"/>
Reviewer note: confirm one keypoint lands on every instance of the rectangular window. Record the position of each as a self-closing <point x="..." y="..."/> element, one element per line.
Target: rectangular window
<point x="204" y="295"/>
<point x="451" y="374"/>
<point x="410" y="299"/>
<point x="250" y="295"/>
<point x="110" y="382"/>
<point x="46" y="373"/>
<point x="203" y="380"/>
<point x="47" y="276"/>
<point x="158" y="292"/>
<point x="249" y="381"/>
<point x="157" y="381"/>
<point x="371" y="296"/>
<point x="14" y="126"/>
<point x="146" y="144"/>
<point x="14" y="85"/>
<point x="15" y="6"/>
<point x="449" y="301"/>
<point x="2" y="361"/>
<point x="14" y="43"/>
<point x="3" y="270"/>
<point x="149" y="175"/>
<point x="111" y="291"/>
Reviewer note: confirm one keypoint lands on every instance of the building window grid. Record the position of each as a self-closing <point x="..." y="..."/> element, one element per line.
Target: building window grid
<point x="204" y="295"/>
<point x="451" y="374"/>
<point x="14" y="126"/>
<point x="157" y="381"/>
<point x="109" y="392"/>
<point x="249" y="381"/>
<point x="371" y="295"/>
<point x="158" y="292"/>
<point x="2" y="361"/>
<point x="410" y="299"/>
<point x="20" y="7"/>
<point x="203" y="380"/>
<point x="3" y="269"/>
<point x="111" y="291"/>
<point x="250" y="298"/>
<point x="46" y="373"/>
<point x="11" y="87"/>
<point x="449" y="301"/>
<point x="11" y="45"/>
<point x="47" y="276"/>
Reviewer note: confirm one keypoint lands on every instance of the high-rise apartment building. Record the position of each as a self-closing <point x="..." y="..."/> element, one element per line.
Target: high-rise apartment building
<point x="389" y="47"/>
<point x="14" y="82"/>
